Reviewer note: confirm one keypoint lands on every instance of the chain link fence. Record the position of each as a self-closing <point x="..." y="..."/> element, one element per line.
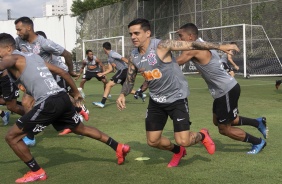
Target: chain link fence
<point x="168" y="15"/>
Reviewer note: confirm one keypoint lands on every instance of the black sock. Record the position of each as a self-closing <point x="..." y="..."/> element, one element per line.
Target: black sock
<point x="104" y="100"/>
<point x="2" y="114"/>
<point x="251" y="139"/>
<point x="30" y="136"/>
<point x="112" y="143"/>
<point x="203" y="136"/>
<point x="248" y="121"/>
<point x="78" y="109"/>
<point x="175" y="149"/>
<point x="33" y="165"/>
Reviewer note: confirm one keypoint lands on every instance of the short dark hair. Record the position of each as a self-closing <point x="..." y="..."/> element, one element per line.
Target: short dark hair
<point x="7" y="39"/>
<point x="24" y="20"/>
<point x="192" y="28"/>
<point x="107" y="45"/>
<point x="41" y="33"/>
<point x="87" y="51"/>
<point x="144" y="23"/>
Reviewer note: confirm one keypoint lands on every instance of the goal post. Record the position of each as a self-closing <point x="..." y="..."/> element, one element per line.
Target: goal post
<point x="96" y="45"/>
<point x="257" y="56"/>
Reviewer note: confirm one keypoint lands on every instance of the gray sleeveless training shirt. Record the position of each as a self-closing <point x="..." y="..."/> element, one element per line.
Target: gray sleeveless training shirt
<point x="41" y="46"/>
<point x="36" y="78"/>
<point x="92" y="63"/>
<point x="115" y="58"/>
<point x="166" y="81"/>
<point x="218" y="80"/>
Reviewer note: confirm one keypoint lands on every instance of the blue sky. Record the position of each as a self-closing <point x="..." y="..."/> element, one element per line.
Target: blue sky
<point x="19" y="8"/>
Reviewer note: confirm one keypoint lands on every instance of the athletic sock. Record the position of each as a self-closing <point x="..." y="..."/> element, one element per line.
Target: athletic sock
<point x="33" y="165"/>
<point x="30" y="136"/>
<point x="203" y="136"/>
<point x="251" y="139"/>
<point x="104" y="100"/>
<point x="175" y="149"/>
<point x="2" y="114"/>
<point x="248" y="121"/>
<point x="112" y="143"/>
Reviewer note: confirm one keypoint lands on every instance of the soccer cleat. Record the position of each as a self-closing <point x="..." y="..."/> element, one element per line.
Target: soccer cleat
<point x="85" y="109"/>
<point x="143" y="97"/>
<point x="65" y="131"/>
<point x="208" y="142"/>
<point x="257" y="148"/>
<point x="277" y="84"/>
<point x="29" y="142"/>
<point x="30" y="176"/>
<point x="262" y="126"/>
<point x="99" y="104"/>
<point x="84" y="115"/>
<point x="6" y="118"/>
<point x="177" y="157"/>
<point x="121" y="152"/>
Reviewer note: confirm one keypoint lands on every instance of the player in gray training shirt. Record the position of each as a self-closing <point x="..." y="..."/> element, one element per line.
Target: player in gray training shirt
<point x="226" y="59"/>
<point x="115" y="60"/>
<point x="52" y="106"/>
<point x="225" y="90"/>
<point x="168" y="90"/>
<point x="93" y="66"/>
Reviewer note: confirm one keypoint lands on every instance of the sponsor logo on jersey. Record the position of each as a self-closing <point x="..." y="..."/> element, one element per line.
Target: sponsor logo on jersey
<point x="159" y="99"/>
<point x="152" y="75"/>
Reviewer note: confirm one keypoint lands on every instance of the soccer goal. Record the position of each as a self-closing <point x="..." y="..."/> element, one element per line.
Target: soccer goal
<point x="96" y="45"/>
<point x="257" y="56"/>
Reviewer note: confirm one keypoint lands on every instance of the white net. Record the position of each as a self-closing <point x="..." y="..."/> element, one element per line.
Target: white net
<point x="96" y="46"/>
<point x="257" y="56"/>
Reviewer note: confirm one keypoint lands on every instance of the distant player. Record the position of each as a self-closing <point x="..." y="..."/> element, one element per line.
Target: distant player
<point x="225" y="58"/>
<point x="52" y="106"/>
<point x="93" y="66"/>
<point x="277" y="83"/>
<point x="225" y="90"/>
<point x="115" y="60"/>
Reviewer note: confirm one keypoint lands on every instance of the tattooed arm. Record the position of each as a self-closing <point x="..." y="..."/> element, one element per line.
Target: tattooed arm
<point x="127" y="85"/>
<point x="165" y="46"/>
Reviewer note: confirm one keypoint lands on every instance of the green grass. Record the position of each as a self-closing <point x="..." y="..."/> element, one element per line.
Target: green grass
<point x="76" y="159"/>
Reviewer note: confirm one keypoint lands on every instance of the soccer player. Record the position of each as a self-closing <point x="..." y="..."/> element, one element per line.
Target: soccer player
<point x="5" y="117"/>
<point x="277" y="84"/>
<point x="29" y="42"/>
<point x="225" y="90"/>
<point x="93" y="66"/>
<point x="225" y="58"/>
<point x="120" y="63"/>
<point x="52" y="106"/>
<point x="168" y="90"/>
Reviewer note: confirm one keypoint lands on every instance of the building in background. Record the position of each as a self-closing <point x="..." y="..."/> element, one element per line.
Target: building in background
<point x="57" y="7"/>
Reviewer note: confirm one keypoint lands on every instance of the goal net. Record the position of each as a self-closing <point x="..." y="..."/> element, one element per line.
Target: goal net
<point x="257" y="56"/>
<point x="96" y="45"/>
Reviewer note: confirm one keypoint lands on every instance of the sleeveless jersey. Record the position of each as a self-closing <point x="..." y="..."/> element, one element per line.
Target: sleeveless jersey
<point x="224" y="58"/>
<point x="166" y="81"/>
<point x="115" y="58"/>
<point x="218" y="80"/>
<point x="57" y="61"/>
<point x="36" y="78"/>
<point x="92" y="63"/>
<point x="41" y="46"/>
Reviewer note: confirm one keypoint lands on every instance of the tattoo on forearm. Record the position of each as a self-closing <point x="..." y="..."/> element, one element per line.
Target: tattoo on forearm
<point x="204" y="45"/>
<point x="130" y="79"/>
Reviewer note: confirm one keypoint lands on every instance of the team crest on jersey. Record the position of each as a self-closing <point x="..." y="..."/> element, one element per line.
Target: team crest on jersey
<point x="152" y="59"/>
<point x="36" y="49"/>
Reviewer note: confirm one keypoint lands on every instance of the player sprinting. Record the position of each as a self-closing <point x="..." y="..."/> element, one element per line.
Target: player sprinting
<point x="52" y="106"/>
<point x="225" y="90"/>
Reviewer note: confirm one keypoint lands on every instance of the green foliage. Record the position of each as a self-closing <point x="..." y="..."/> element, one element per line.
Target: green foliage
<point x="80" y="7"/>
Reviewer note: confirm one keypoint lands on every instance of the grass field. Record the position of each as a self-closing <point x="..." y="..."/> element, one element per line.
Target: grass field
<point x="76" y="159"/>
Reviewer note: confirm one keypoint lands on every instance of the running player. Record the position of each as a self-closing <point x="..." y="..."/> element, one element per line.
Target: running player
<point x="168" y="90"/>
<point x="52" y="106"/>
<point x="115" y="60"/>
<point x="225" y="90"/>
<point x="225" y="58"/>
<point x="93" y="66"/>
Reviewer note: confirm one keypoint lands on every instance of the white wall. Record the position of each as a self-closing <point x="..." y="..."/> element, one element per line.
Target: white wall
<point x="60" y="30"/>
